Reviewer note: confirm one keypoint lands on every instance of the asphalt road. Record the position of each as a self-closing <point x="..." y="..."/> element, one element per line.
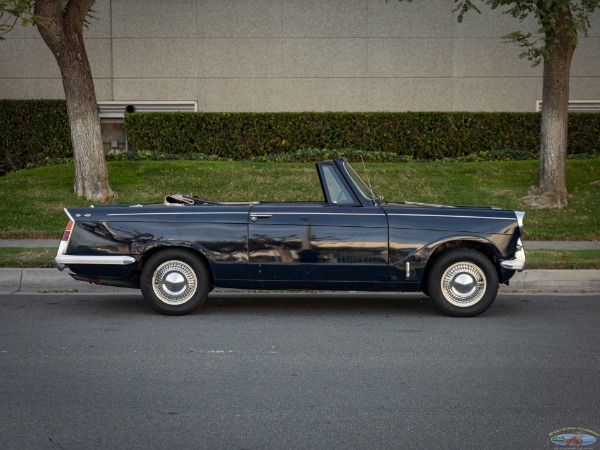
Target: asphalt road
<point x="296" y="372"/>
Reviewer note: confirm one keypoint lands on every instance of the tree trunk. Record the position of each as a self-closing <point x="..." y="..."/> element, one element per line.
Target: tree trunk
<point x="63" y="33"/>
<point x="551" y="189"/>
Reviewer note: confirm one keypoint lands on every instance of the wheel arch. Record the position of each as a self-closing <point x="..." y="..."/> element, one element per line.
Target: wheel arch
<point x="481" y="245"/>
<point x="200" y="253"/>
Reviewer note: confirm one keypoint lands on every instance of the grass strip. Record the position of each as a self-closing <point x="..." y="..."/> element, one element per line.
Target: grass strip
<point x="25" y="258"/>
<point x="32" y="201"/>
<point x="563" y="259"/>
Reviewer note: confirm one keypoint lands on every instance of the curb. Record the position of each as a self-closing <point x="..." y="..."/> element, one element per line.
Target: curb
<point x="546" y="280"/>
<point x="51" y="280"/>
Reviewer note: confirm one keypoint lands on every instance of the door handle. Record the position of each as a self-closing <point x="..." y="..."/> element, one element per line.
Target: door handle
<point x="253" y="217"/>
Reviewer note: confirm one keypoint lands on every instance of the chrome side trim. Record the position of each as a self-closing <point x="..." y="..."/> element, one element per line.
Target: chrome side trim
<point x="246" y="213"/>
<point x="443" y="216"/>
<point x="432" y="205"/>
<point x="214" y="213"/>
<point x="111" y="260"/>
<point x="520" y="215"/>
<point x="68" y="214"/>
<point x="298" y="213"/>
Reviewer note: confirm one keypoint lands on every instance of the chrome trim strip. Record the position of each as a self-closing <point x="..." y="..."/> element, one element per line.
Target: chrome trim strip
<point x="520" y="215"/>
<point x="314" y="214"/>
<point x="432" y="205"/>
<point x="251" y="214"/>
<point x="454" y="216"/>
<point x="181" y="213"/>
<point x="319" y="214"/>
<point x="68" y="215"/>
<point x="112" y="260"/>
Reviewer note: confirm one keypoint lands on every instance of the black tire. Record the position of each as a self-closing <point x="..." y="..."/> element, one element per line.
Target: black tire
<point x="175" y="282"/>
<point x="462" y="283"/>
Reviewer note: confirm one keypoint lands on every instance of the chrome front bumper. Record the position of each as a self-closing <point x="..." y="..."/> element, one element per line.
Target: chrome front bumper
<point x="518" y="263"/>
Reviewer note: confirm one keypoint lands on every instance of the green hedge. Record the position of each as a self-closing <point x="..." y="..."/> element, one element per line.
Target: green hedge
<point x="433" y="135"/>
<point x="32" y="131"/>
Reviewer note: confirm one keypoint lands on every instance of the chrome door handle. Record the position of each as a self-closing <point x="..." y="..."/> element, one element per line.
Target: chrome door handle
<point x="253" y="217"/>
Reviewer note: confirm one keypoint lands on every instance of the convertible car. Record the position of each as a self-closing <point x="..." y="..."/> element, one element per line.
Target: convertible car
<point x="178" y="251"/>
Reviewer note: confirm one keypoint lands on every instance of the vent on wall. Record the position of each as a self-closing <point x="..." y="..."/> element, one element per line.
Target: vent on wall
<point x="576" y="105"/>
<point x="112" y="114"/>
<point x="117" y="109"/>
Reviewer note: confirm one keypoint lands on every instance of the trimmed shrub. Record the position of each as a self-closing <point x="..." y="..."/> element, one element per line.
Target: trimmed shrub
<point x="427" y="135"/>
<point x="32" y="131"/>
<point x="36" y="132"/>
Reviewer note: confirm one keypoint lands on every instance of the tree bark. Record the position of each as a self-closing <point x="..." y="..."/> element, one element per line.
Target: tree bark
<point x="551" y="188"/>
<point x="62" y="30"/>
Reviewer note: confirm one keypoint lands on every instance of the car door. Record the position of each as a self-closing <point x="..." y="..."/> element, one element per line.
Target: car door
<point x="337" y="243"/>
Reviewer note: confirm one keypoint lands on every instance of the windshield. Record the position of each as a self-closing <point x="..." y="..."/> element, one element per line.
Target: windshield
<point x="363" y="187"/>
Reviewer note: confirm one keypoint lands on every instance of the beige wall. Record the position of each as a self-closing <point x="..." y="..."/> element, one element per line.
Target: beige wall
<point x="299" y="55"/>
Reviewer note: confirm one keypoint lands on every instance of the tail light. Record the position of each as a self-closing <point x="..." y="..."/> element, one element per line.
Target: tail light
<point x="64" y="242"/>
<point x="67" y="233"/>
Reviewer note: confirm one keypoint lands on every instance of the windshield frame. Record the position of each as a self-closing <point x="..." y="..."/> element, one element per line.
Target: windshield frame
<point x="363" y="188"/>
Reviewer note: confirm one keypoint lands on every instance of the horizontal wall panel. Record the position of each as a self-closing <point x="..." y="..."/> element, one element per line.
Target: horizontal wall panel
<point x="154" y="89"/>
<point x="278" y="95"/>
<point x="496" y="94"/>
<point x="51" y="88"/>
<point x="240" y="57"/>
<point x="490" y="57"/>
<point x="14" y="88"/>
<point x="324" y="58"/>
<point x="581" y="88"/>
<point x="154" y="18"/>
<point x="239" y="18"/>
<point x="409" y="94"/>
<point x="13" y="58"/>
<point x="149" y="58"/>
<point x="409" y="57"/>
<point x="490" y="23"/>
<point x="318" y="18"/>
<point x="586" y="60"/>
<point x="423" y="19"/>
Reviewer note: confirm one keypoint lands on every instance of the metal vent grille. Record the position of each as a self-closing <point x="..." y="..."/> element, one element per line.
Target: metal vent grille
<point x="576" y="105"/>
<point x="117" y="109"/>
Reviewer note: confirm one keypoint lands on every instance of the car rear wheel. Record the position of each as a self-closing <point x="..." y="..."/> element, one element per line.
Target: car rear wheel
<point x="174" y="282"/>
<point x="462" y="282"/>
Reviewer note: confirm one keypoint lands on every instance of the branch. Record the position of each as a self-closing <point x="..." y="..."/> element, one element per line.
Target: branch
<point x="52" y="14"/>
<point x="11" y="11"/>
<point x="76" y="12"/>
<point x="463" y="7"/>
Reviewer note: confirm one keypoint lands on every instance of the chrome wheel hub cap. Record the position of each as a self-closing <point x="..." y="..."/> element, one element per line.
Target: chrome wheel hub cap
<point x="463" y="284"/>
<point x="174" y="282"/>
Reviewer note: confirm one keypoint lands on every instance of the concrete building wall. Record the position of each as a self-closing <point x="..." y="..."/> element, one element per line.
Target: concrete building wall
<point x="299" y="55"/>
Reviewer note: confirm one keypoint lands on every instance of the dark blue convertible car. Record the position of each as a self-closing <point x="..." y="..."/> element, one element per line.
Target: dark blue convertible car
<point x="178" y="251"/>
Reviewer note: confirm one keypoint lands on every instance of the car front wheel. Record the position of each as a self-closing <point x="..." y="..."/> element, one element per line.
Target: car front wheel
<point x="174" y="282"/>
<point x="462" y="282"/>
